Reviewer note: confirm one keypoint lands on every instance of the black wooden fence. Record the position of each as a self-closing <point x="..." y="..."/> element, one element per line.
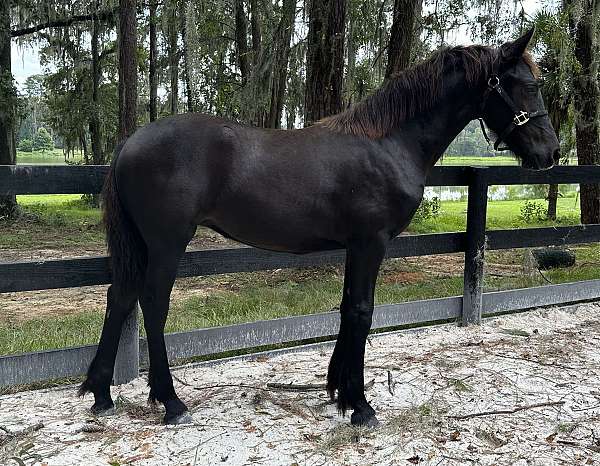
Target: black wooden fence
<point x="469" y="308"/>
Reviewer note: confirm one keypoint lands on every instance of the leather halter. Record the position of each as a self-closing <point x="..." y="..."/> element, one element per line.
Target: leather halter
<point x="520" y="117"/>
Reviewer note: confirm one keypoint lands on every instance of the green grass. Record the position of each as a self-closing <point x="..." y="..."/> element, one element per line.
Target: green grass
<point x="500" y="215"/>
<point x="66" y="216"/>
<point x="55" y="157"/>
<point x="256" y="297"/>
<point x="472" y="160"/>
<point x="269" y="295"/>
<point x="49" y="220"/>
<point x="53" y="219"/>
<point x="587" y="267"/>
<point x="485" y="161"/>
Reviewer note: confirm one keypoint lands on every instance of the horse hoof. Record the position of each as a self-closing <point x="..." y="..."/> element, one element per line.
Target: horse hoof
<point x="103" y="410"/>
<point x="178" y="419"/>
<point x="364" y="420"/>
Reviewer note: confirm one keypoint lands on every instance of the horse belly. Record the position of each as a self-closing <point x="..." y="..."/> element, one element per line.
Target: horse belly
<point x="274" y="226"/>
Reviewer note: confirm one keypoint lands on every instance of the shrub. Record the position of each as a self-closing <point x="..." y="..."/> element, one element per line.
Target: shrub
<point x="429" y="208"/>
<point x="42" y="140"/>
<point x="533" y="212"/>
<point x="26" y="145"/>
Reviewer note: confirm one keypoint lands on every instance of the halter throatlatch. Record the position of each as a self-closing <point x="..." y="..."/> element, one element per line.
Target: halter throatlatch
<point x="520" y="117"/>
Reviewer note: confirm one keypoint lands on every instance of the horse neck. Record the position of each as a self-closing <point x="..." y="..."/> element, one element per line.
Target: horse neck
<point x="430" y="132"/>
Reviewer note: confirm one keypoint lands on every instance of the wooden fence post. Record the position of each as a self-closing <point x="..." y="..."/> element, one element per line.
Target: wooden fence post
<point x="475" y="247"/>
<point x="127" y="365"/>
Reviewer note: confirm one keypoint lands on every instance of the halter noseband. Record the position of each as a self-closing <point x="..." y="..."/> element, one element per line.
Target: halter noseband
<point x="520" y="117"/>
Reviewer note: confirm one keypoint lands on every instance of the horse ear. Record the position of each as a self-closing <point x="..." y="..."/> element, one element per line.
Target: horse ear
<point x="516" y="49"/>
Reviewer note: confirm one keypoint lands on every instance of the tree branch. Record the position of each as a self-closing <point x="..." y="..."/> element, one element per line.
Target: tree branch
<point x="62" y="22"/>
<point x="508" y="411"/>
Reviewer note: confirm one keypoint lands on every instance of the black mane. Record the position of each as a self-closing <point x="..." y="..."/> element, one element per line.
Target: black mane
<point x="411" y="91"/>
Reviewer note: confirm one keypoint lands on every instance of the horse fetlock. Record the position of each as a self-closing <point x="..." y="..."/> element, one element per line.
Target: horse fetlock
<point x="350" y="391"/>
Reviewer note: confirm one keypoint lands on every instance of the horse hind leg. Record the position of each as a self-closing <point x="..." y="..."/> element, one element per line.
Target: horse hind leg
<point x="154" y="300"/>
<point x="120" y="302"/>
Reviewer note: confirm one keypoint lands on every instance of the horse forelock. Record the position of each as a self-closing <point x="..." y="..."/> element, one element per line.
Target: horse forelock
<point x="412" y="91"/>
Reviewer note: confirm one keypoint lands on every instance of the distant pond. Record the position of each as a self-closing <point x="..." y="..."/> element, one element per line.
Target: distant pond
<point x="498" y="193"/>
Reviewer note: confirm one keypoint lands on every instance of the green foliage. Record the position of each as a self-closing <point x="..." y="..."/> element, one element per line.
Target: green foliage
<point x="429" y="209"/>
<point x="532" y="212"/>
<point x="42" y="140"/>
<point x="26" y="145"/>
<point x="470" y="142"/>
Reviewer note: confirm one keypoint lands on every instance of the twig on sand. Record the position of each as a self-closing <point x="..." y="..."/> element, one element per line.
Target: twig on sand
<point x="270" y="386"/>
<point x="215" y="386"/>
<point x="390" y="383"/>
<point x="10" y="436"/>
<point x="508" y="411"/>
<point x="533" y="361"/>
<point x="296" y="387"/>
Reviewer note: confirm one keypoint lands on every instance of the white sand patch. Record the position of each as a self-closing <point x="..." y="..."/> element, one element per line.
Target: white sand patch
<point x="424" y="382"/>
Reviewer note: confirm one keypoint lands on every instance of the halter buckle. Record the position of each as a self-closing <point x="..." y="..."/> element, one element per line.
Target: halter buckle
<point x="493" y="81"/>
<point x="521" y="118"/>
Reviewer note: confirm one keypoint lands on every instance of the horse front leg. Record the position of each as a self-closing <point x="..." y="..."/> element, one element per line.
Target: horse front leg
<point x="346" y="368"/>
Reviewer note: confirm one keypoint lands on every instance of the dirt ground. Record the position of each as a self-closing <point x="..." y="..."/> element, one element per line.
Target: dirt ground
<point x="518" y="390"/>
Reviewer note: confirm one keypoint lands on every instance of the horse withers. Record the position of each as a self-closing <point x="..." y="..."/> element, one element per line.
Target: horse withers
<point x="353" y="181"/>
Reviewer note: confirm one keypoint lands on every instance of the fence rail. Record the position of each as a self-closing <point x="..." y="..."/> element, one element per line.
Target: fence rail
<point x="469" y="308"/>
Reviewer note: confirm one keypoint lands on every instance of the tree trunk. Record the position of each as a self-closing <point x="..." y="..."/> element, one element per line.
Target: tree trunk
<point x="324" y="59"/>
<point x="186" y="66"/>
<point x="241" y="40"/>
<point x="552" y="201"/>
<point x="95" y="136"/>
<point x="173" y="55"/>
<point x="587" y="97"/>
<point x="8" y="155"/>
<point x="256" y="32"/>
<point x="152" y="78"/>
<point x="283" y="36"/>
<point x="351" y="54"/>
<point x="555" y="111"/>
<point x="127" y="68"/>
<point x="557" y="107"/>
<point x="402" y="35"/>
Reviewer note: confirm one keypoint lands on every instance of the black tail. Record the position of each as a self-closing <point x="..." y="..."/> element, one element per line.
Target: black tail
<point x="125" y="244"/>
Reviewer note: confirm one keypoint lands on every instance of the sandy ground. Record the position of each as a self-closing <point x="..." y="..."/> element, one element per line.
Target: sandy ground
<point x="518" y="390"/>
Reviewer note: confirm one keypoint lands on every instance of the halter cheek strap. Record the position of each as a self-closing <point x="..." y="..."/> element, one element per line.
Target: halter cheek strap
<point x="520" y="117"/>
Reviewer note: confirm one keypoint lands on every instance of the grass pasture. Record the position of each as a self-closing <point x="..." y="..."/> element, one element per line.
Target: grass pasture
<point x="52" y="157"/>
<point x="67" y="223"/>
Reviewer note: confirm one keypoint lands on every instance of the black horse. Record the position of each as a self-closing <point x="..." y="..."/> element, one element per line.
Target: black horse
<point x="351" y="181"/>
